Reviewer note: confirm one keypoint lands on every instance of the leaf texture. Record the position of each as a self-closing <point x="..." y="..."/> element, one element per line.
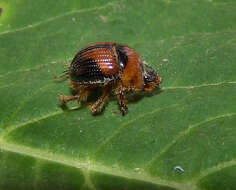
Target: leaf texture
<point x="189" y="122"/>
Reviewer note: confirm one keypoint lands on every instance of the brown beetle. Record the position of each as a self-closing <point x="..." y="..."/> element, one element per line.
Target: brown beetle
<point x="111" y="66"/>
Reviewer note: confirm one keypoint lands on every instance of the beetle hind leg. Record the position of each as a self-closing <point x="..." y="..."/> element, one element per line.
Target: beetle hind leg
<point x="100" y="103"/>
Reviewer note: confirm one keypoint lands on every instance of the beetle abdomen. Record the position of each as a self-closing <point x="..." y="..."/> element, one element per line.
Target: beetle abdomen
<point x="96" y="63"/>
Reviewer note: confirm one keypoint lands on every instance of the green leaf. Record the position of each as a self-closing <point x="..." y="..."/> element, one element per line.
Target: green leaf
<point x="188" y="124"/>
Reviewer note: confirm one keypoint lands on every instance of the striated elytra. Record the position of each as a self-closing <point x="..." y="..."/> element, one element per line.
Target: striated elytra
<point x="112" y="67"/>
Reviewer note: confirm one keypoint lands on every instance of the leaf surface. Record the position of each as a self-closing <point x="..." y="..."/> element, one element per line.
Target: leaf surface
<point x="189" y="123"/>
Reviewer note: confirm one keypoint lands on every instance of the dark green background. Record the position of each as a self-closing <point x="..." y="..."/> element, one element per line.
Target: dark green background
<point x="189" y="123"/>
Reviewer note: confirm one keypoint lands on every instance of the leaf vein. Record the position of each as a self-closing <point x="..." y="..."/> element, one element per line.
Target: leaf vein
<point x="214" y="169"/>
<point x="198" y="86"/>
<point x="183" y="134"/>
<point x="19" y="107"/>
<point x="38" y="67"/>
<point x="11" y="128"/>
<point x="57" y="17"/>
<point x="125" y="125"/>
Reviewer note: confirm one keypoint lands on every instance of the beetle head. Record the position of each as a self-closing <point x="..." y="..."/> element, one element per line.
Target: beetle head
<point x="151" y="78"/>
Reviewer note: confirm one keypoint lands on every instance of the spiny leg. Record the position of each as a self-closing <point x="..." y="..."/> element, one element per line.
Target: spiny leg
<point x="120" y="94"/>
<point x="64" y="99"/>
<point x="82" y="95"/>
<point x="99" y="104"/>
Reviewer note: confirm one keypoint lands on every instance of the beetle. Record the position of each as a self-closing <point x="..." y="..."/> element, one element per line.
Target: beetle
<point x="112" y="67"/>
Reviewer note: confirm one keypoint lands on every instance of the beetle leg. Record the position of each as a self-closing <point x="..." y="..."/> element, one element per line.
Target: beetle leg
<point x="82" y="95"/>
<point x="64" y="99"/>
<point x="120" y="94"/>
<point x="99" y="104"/>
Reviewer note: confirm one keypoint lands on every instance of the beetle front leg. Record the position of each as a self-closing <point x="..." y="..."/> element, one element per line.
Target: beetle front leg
<point x="120" y="94"/>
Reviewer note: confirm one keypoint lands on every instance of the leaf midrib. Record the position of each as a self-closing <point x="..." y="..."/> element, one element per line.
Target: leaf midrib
<point x="68" y="161"/>
<point x="89" y="166"/>
<point x="76" y="163"/>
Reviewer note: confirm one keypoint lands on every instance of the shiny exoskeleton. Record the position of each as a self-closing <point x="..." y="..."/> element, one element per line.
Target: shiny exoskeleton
<point x="113" y="67"/>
